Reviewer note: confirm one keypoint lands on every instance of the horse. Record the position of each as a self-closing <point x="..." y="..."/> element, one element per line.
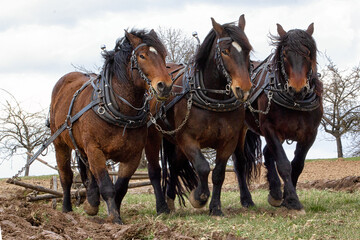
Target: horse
<point x="286" y="105"/>
<point x="114" y="110"/>
<point x="206" y="111"/>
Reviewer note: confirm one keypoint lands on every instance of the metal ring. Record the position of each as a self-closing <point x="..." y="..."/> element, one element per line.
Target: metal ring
<point x="101" y="110"/>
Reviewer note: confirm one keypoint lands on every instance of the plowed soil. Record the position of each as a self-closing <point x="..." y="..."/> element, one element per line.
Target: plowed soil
<point x="20" y="219"/>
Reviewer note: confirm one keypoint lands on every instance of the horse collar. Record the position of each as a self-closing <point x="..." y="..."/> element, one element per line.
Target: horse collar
<point x="108" y="110"/>
<point x="193" y="80"/>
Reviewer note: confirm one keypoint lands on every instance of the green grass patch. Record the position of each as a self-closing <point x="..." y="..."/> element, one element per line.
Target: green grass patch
<point x="329" y="215"/>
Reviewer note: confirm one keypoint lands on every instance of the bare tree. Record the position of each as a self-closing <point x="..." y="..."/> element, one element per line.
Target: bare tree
<point x="341" y="102"/>
<point x="180" y="47"/>
<point x="21" y="131"/>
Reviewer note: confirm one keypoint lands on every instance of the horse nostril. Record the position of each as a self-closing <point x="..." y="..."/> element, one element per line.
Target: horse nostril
<point x="161" y="86"/>
<point x="239" y="93"/>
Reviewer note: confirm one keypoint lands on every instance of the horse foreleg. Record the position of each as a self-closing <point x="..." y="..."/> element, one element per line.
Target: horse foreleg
<point x="275" y="195"/>
<point x="298" y="162"/>
<point x="63" y="159"/>
<point x="126" y="170"/>
<point x="199" y="196"/>
<point x="291" y="199"/>
<point x="218" y="176"/>
<point x="240" y="170"/>
<point x="97" y="163"/>
<point x="92" y="202"/>
<point x="152" y="148"/>
<point x="91" y="205"/>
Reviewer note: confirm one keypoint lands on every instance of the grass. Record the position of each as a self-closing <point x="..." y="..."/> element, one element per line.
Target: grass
<point x="329" y="215"/>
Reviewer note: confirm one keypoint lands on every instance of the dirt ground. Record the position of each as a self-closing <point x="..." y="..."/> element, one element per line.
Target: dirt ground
<point x="20" y="219"/>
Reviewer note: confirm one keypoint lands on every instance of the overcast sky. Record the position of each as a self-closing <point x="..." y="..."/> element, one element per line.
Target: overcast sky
<point x="41" y="40"/>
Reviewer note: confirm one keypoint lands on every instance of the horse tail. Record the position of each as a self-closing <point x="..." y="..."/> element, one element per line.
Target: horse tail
<point x="180" y="177"/>
<point x="82" y="170"/>
<point x="253" y="155"/>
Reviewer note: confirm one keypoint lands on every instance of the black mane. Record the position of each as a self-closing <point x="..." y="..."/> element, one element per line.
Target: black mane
<point x="118" y="59"/>
<point x="233" y="31"/>
<point x="294" y="39"/>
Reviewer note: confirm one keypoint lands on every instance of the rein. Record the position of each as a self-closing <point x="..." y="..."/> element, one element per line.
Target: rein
<point x="135" y="65"/>
<point x="220" y="64"/>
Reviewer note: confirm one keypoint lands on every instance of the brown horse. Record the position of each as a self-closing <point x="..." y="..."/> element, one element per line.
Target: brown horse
<point x="115" y="127"/>
<point x="285" y="106"/>
<point x="208" y="111"/>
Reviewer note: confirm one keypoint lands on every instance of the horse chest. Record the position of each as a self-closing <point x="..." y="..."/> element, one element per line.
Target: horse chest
<point x="209" y="129"/>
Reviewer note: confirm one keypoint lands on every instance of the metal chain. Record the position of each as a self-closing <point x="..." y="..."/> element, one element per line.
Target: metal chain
<point x="172" y="132"/>
<point x="270" y="96"/>
<point x="16" y="176"/>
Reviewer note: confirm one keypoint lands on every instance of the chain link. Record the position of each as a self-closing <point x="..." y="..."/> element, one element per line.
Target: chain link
<point x="172" y="132"/>
<point x="16" y="176"/>
<point x="253" y="110"/>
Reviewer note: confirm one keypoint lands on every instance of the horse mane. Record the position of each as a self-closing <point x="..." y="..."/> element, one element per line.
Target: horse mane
<point x="233" y="31"/>
<point x="117" y="60"/>
<point x="295" y="39"/>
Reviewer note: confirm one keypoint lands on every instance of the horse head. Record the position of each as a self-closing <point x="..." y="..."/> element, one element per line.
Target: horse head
<point x="148" y="61"/>
<point x="296" y="50"/>
<point x="232" y="55"/>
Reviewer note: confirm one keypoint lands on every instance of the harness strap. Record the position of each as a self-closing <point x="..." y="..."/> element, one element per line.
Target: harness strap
<point x="261" y="68"/>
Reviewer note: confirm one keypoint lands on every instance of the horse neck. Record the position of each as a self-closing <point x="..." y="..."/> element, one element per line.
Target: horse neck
<point x="128" y="91"/>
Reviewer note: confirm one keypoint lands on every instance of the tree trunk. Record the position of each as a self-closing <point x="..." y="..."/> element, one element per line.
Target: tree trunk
<point x="27" y="169"/>
<point x="339" y="147"/>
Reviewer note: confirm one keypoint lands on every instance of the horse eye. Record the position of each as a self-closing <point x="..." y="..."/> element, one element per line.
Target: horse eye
<point x="142" y="56"/>
<point x="225" y="52"/>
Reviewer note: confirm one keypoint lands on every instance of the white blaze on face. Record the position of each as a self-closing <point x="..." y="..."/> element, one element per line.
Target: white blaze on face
<point x="236" y="46"/>
<point x="152" y="49"/>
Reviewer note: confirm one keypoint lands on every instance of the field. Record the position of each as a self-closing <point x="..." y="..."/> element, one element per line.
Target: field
<point x="329" y="190"/>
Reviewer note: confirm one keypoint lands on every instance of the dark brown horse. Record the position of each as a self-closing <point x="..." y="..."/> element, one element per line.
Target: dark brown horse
<point x="209" y="112"/>
<point x="286" y="105"/>
<point x="115" y="126"/>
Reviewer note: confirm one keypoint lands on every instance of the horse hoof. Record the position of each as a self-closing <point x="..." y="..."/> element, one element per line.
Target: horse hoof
<point x="247" y="203"/>
<point x="300" y="212"/>
<point x="216" y="213"/>
<point x="171" y="203"/>
<point x="90" y="210"/>
<point x="273" y="202"/>
<point x="162" y="210"/>
<point x="113" y="219"/>
<point x="195" y="203"/>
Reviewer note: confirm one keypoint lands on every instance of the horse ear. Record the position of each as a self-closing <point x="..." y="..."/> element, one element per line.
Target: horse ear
<point x="217" y="27"/>
<point x="152" y="32"/>
<point x="242" y="22"/>
<point x="280" y="30"/>
<point x="310" y="29"/>
<point x="134" y="40"/>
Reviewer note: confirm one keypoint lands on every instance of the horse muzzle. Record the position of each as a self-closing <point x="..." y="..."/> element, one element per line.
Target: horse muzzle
<point x="241" y="94"/>
<point x="162" y="91"/>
